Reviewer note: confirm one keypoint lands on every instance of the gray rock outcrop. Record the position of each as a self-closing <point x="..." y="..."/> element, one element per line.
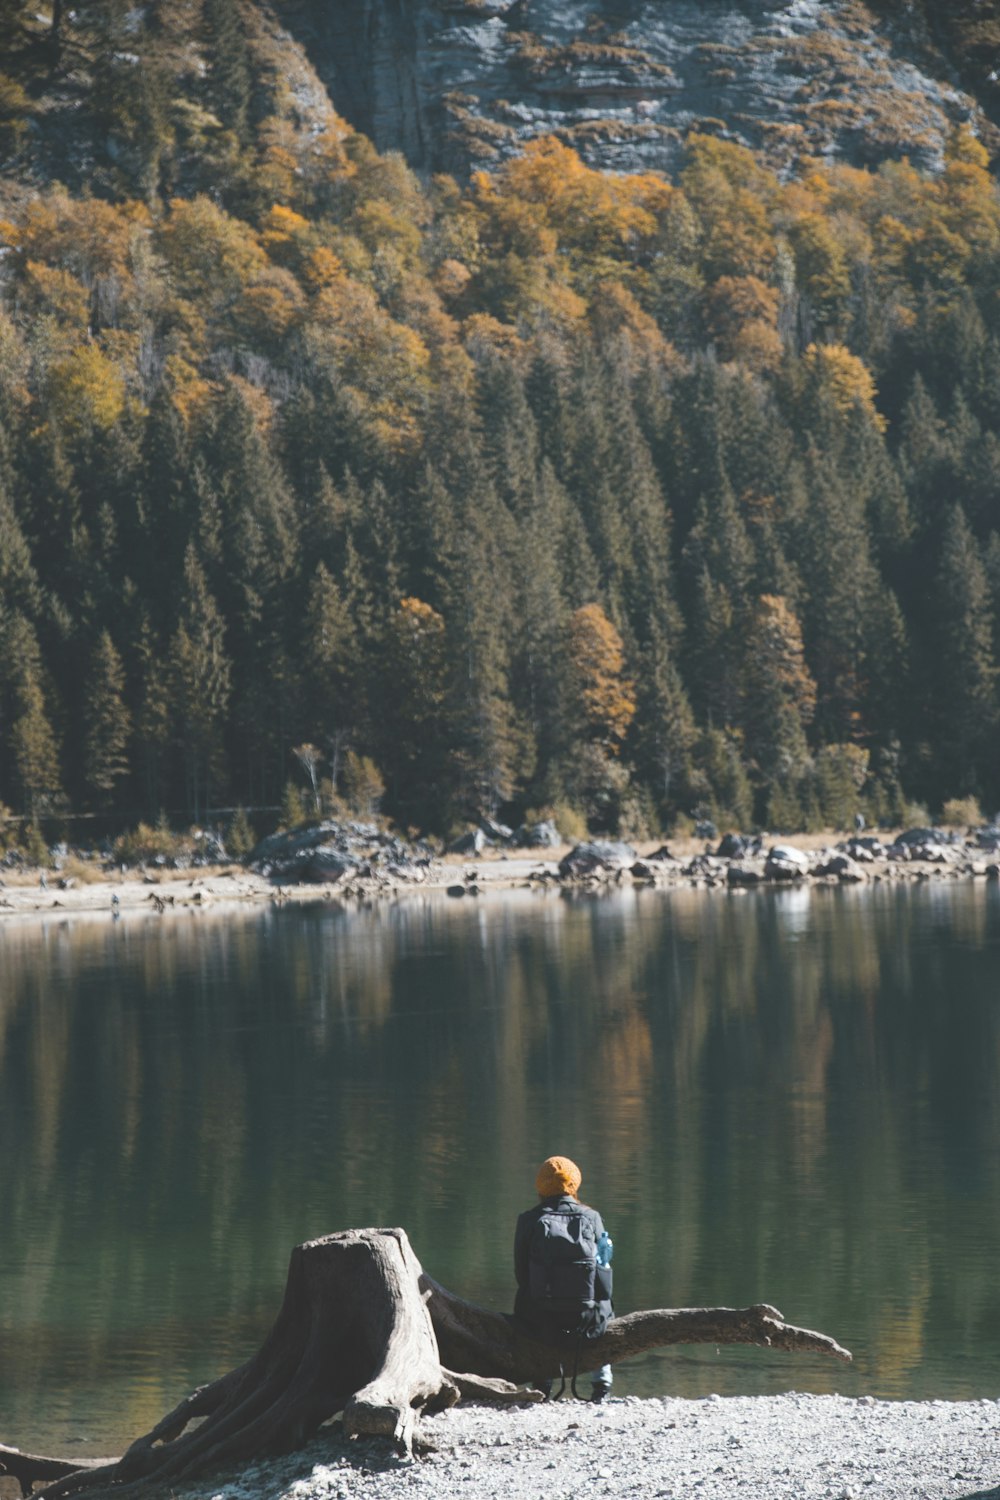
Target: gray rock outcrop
<point x="467" y="82"/>
<point x="326" y="852"/>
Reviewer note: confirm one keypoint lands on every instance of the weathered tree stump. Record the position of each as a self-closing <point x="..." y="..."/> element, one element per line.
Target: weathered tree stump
<point x="362" y="1331"/>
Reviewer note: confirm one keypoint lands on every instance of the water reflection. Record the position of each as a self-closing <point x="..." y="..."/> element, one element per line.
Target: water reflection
<point x="788" y="1096"/>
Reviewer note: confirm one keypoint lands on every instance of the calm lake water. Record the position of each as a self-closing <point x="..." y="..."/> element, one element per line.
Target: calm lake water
<point x="785" y="1096"/>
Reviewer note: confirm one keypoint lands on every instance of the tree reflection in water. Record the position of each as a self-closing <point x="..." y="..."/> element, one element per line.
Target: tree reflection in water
<point x="790" y="1096"/>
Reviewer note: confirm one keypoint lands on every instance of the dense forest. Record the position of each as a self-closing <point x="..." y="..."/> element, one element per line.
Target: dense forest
<point x="631" y="498"/>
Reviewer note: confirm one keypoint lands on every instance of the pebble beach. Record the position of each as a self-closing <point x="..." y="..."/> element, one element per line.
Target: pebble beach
<point x="788" y="1447"/>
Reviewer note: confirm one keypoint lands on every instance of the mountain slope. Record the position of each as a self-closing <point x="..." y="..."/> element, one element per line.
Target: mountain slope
<point x="163" y="98"/>
<point x="620" y="493"/>
<point x="454" y="84"/>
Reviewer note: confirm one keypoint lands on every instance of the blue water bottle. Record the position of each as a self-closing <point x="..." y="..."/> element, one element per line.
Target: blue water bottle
<point x="605" y="1249"/>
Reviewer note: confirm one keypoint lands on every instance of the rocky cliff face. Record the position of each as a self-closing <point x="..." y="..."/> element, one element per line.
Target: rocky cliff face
<point x="459" y="83"/>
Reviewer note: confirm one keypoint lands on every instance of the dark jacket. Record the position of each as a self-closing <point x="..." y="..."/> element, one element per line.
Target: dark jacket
<point x="524" y="1306"/>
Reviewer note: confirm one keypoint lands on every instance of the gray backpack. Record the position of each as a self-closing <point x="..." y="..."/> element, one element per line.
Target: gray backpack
<point x="564" y="1280"/>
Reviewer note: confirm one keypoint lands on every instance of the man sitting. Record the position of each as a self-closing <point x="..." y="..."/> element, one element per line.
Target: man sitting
<point x="562" y="1255"/>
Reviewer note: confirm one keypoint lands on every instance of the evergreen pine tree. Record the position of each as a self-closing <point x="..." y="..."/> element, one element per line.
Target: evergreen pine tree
<point x="159" y="530"/>
<point x="331" y="675"/>
<point x="991" y="562"/>
<point x="33" y="747"/>
<point x="413" y="722"/>
<point x="963" y="709"/>
<point x="240" y="836"/>
<point x="664" y="725"/>
<point x="538" y="669"/>
<point x="779" y="694"/>
<point x="201" y="685"/>
<point x="18" y="580"/>
<point x="844" y="604"/>
<point x="131" y="95"/>
<point x="719" y="562"/>
<point x="153" y="717"/>
<point x="923" y="453"/>
<point x="510" y="437"/>
<point x="33" y="766"/>
<point x="231" y="75"/>
<point x="106" y="722"/>
<point x="491" y="745"/>
<point x="258" y="547"/>
<point x="874" y="479"/>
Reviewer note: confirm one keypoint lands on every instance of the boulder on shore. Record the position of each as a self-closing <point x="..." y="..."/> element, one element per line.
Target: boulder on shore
<point x="325" y="866"/>
<point x="497" y="833"/>
<point x="596" y="857"/>
<point x="864" y="851"/>
<point x="911" y="837"/>
<point x="785" y="862"/>
<point x="544" y="835"/>
<point x="323" y="853"/>
<point x="843" y="866"/>
<point x="738" y="845"/>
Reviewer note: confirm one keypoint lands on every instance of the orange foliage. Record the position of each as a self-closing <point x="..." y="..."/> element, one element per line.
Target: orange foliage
<point x="379" y="226"/>
<point x="615" y="314"/>
<point x="417" y="621"/>
<point x="87" y="237"/>
<point x="189" y="394"/>
<point x="322" y="269"/>
<point x="51" y="290"/>
<point x="386" y="363"/>
<point x="418" y="633"/>
<point x="207" y="250"/>
<point x="731" y="195"/>
<point x="845" y="378"/>
<point x="483" y="333"/>
<point x="598" y="657"/>
<point x="269" y="308"/>
<point x="820" y="264"/>
<point x="286" y="236"/>
<point x="779" y="656"/>
<point x="548" y="199"/>
<point x="86" y="389"/>
<point x="742" y="314"/>
<point x="452" y="279"/>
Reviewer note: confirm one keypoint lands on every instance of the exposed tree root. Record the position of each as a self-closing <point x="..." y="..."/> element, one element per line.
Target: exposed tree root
<point x="363" y="1332"/>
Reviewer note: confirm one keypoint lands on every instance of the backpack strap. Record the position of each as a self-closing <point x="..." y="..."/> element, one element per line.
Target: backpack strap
<point x="576" y="1366"/>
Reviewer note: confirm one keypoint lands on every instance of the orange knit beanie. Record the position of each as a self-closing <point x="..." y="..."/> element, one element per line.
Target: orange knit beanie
<point x="557" y="1175"/>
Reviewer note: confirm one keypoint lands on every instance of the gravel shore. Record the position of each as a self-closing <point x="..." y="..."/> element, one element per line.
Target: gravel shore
<point x="766" y="1447"/>
<point x="163" y="892"/>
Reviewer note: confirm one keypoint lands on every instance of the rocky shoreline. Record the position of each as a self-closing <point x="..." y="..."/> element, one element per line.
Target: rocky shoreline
<point x="785" y="1447"/>
<point x="352" y="862"/>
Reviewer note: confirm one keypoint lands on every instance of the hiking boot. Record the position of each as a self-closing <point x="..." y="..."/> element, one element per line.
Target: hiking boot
<point x="600" y="1391"/>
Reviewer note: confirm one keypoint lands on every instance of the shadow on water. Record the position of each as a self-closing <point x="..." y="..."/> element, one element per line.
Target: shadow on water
<point x="788" y="1097"/>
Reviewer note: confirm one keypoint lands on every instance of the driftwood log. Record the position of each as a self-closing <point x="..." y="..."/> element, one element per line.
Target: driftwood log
<point x="363" y="1332"/>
